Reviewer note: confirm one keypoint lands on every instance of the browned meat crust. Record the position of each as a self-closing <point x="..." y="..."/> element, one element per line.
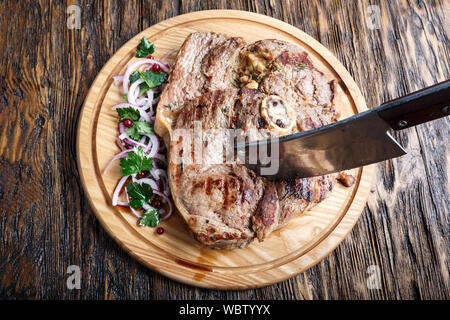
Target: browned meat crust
<point x="266" y="218"/>
<point x="186" y="80"/>
<point x="227" y="205"/>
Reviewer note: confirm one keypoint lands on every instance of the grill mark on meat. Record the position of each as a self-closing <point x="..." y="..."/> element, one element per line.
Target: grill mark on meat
<point x="208" y="186"/>
<point x="225" y="190"/>
<point x="305" y="189"/>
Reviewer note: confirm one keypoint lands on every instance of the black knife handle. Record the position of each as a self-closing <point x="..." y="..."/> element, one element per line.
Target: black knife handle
<point x="417" y="107"/>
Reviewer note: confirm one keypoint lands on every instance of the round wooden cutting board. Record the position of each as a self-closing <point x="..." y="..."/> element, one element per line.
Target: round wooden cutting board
<point x="305" y="241"/>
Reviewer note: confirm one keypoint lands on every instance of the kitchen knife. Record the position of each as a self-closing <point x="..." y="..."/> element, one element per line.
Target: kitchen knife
<point x="353" y="142"/>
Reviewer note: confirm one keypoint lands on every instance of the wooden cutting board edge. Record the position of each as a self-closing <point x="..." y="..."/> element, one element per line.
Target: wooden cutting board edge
<point x="162" y="262"/>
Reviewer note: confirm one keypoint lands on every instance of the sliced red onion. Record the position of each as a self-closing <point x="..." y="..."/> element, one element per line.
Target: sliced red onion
<point x="160" y="157"/>
<point x="141" y="102"/>
<point x="133" y="92"/>
<point x="158" y="173"/>
<point x="123" y="105"/>
<point x="152" y="183"/>
<point x="117" y="190"/>
<point x="120" y="145"/>
<point x="154" y="145"/>
<point x="124" y="137"/>
<point x="116" y="157"/>
<point x="163" y="66"/>
<point x="150" y="95"/>
<point x="130" y="69"/>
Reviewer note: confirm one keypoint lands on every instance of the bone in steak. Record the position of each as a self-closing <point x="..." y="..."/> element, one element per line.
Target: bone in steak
<point x="223" y="83"/>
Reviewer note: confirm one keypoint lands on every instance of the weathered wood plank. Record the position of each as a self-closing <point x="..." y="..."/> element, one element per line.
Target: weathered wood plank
<point x="46" y="223"/>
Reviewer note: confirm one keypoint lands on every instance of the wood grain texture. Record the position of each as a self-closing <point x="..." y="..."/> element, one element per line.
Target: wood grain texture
<point x="46" y="223"/>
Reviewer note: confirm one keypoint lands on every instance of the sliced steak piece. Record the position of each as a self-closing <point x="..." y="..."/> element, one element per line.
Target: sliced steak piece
<point x="301" y="194"/>
<point x="220" y="65"/>
<point x="267" y="215"/>
<point x="227" y="196"/>
<point x="205" y="62"/>
<point x="224" y="195"/>
<point x="186" y="80"/>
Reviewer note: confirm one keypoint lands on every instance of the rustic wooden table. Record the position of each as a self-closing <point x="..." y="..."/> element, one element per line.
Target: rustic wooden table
<point x="399" y="249"/>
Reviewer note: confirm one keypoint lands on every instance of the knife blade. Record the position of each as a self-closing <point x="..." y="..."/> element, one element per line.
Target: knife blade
<point x="357" y="141"/>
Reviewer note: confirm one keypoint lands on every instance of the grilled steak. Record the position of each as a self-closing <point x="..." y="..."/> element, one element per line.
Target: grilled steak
<point x="205" y="62"/>
<point x="268" y="88"/>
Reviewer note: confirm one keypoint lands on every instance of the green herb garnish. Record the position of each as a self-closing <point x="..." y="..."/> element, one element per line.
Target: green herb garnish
<point x="135" y="162"/>
<point x="140" y="194"/>
<point x="134" y="76"/>
<point x="150" y="218"/>
<point x="138" y="129"/>
<point x="144" y="48"/>
<point x="153" y="79"/>
<point x="128" y="113"/>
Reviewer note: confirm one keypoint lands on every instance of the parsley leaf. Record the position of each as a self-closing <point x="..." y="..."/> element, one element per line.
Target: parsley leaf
<point x="143" y="127"/>
<point x="150" y="80"/>
<point x="144" y="48"/>
<point x="139" y="128"/>
<point x="139" y="193"/>
<point x="135" y="162"/>
<point x="153" y="79"/>
<point x="133" y="134"/>
<point x="128" y="113"/>
<point x="150" y="218"/>
<point x="143" y="88"/>
<point x="134" y="76"/>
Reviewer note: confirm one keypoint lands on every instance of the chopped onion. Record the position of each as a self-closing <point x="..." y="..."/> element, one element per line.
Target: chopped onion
<point x="117" y="190"/>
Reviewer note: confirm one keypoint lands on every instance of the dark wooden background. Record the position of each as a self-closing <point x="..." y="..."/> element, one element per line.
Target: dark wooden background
<point x="46" y="223"/>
